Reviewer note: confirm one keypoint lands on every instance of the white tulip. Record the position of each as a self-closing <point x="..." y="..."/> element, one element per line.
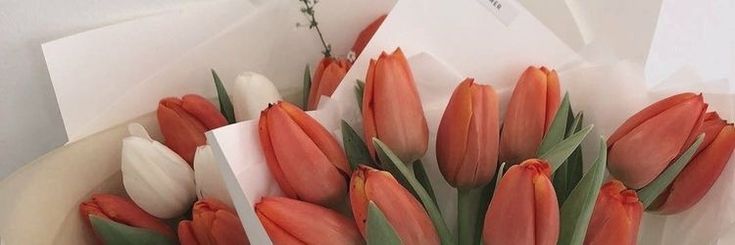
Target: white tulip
<point x="208" y="177"/>
<point x="250" y="94"/>
<point x="155" y="177"/>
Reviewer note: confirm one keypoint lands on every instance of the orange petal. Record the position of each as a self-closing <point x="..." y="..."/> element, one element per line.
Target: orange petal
<point x="124" y="211"/>
<point x="227" y="229"/>
<point x="183" y="132"/>
<point x="647" y="113"/>
<point x="401" y="209"/>
<point x="525" y="118"/>
<point x="452" y="134"/>
<point x="700" y="174"/>
<point x="399" y="116"/>
<point x="711" y="127"/>
<point x="616" y="216"/>
<point x="358" y="199"/>
<point x="313" y="99"/>
<point x="642" y="154"/>
<point x="367" y="34"/>
<point x="552" y="96"/>
<point x="203" y="110"/>
<point x="309" y="223"/>
<point x="277" y="234"/>
<point x="486" y="125"/>
<point x="368" y="117"/>
<point x="270" y="156"/>
<point x="186" y="234"/>
<point x="329" y="78"/>
<point x="547" y="209"/>
<point x="321" y="137"/>
<point x="305" y="167"/>
<point x="511" y="217"/>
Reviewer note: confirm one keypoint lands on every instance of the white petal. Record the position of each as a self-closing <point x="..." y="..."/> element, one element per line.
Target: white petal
<point x="209" y="182"/>
<point x="156" y="178"/>
<point x="250" y="94"/>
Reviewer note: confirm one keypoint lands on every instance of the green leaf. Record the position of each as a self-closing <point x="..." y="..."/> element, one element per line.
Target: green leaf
<point x="113" y="233"/>
<point x="401" y="171"/>
<point x="423" y="178"/>
<point x="357" y="151"/>
<point x="570" y="172"/>
<point x="379" y="231"/>
<point x="307" y="86"/>
<point x="650" y="192"/>
<point x="577" y="210"/>
<point x="225" y="104"/>
<point x="359" y="91"/>
<point x="560" y="152"/>
<point x="558" y="127"/>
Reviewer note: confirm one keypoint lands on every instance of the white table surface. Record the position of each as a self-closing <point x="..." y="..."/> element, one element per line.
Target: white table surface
<point x="30" y="123"/>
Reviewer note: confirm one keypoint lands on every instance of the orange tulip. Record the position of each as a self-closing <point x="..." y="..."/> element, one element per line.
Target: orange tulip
<point x="327" y="77"/>
<point x="702" y="171"/>
<point x="524" y="209"/>
<point x="530" y="111"/>
<point x="184" y="121"/>
<point x="641" y="148"/>
<point x="405" y="214"/>
<point x="616" y="217"/>
<point x="212" y="223"/>
<point x="391" y="108"/>
<point x="121" y="210"/>
<point x="367" y="34"/>
<point x="467" y="139"/>
<point x="304" y="158"/>
<point x="290" y="221"/>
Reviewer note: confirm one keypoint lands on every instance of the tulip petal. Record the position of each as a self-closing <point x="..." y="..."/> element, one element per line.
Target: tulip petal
<point x="402" y="210"/>
<point x="208" y="178"/>
<point x="366" y="34"/>
<point x="226" y="229"/>
<point x="453" y="133"/>
<point x="642" y="154"/>
<point x="326" y="81"/>
<point x="700" y="174"/>
<point x="186" y="233"/>
<point x="552" y="96"/>
<point x="647" y="113"/>
<point x="309" y="223"/>
<point x="547" y="211"/>
<point x="485" y="121"/>
<point x="122" y="210"/>
<point x="203" y="110"/>
<point x="277" y="234"/>
<point x="525" y="117"/>
<point x="297" y="154"/>
<point x="368" y="116"/>
<point x="314" y="89"/>
<point x="616" y="217"/>
<point x="511" y="215"/>
<point x="400" y="121"/>
<point x="156" y="178"/>
<point x="320" y="136"/>
<point x="183" y="132"/>
<point x="270" y="156"/>
<point x="252" y="93"/>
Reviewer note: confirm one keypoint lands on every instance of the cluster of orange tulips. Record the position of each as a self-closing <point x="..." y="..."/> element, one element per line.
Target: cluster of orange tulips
<point x="658" y="153"/>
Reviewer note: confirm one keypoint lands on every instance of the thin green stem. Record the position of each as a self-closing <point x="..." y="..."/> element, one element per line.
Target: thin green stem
<point x="468" y="215"/>
<point x="313" y="24"/>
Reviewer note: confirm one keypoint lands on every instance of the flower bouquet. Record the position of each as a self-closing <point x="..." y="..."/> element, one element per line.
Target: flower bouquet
<point x="440" y="135"/>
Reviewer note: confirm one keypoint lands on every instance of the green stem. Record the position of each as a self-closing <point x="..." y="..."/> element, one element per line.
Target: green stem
<point x="468" y="215"/>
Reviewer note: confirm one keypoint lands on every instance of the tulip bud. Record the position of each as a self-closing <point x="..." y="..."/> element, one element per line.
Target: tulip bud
<point x="304" y="158"/>
<point x="524" y="209"/>
<point x="467" y="139"/>
<point x="250" y="94"/>
<point x="702" y="171"/>
<point x="122" y="211"/>
<point x="327" y="77"/>
<point x="641" y="148"/>
<point x="530" y="111"/>
<point x="616" y="217"/>
<point x="155" y="177"/>
<point x="208" y="178"/>
<point x="184" y="121"/>
<point x="288" y="221"/>
<point x="367" y="34"/>
<point x="213" y="223"/>
<point x="391" y="108"/>
<point x="405" y="214"/>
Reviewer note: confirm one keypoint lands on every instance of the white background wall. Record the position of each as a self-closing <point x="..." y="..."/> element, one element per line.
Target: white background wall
<point x="30" y="123"/>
